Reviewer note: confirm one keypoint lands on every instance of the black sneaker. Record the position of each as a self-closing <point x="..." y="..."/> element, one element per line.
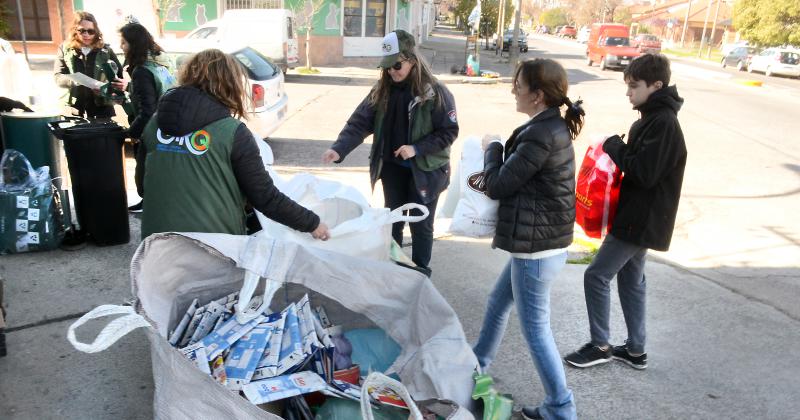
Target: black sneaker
<point x="588" y="355"/>
<point x="73" y="240"/>
<point x="621" y="353"/>
<point x="136" y="208"/>
<point x="531" y="413"/>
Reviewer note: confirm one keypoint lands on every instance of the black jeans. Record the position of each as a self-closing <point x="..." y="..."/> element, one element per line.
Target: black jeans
<point x="398" y="189"/>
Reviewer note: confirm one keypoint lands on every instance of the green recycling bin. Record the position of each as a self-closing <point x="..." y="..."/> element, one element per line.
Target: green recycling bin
<point x="28" y="133"/>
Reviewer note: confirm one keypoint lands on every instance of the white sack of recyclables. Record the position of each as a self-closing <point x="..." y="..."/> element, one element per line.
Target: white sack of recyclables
<point x="475" y="213"/>
<point x="169" y="270"/>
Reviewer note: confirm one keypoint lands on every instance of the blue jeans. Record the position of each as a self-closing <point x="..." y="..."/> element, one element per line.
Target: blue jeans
<point x="527" y="283"/>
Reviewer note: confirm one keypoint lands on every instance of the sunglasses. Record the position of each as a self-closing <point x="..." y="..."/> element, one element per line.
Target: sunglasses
<point x="85" y="31"/>
<point x="398" y="65"/>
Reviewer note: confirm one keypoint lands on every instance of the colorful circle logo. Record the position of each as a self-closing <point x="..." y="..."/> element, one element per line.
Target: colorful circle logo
<point x="199" y="142"/>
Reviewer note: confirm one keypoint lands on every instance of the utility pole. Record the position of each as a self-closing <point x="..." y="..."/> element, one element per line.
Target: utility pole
<point x="713" y="29"/>
<point x="705" y="24"/>
<point x="686" y="21"/>
<point x="513" y="50"/>
<point x="500" y="25"/>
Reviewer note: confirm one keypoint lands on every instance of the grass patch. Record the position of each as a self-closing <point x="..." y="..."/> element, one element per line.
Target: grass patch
<point x="586" y="248"/>
<point x="306" y="70"/>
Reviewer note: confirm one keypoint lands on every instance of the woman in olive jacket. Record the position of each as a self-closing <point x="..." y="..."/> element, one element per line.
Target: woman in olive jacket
<point x="86" y="52"/>
<point x="533" y="177"/>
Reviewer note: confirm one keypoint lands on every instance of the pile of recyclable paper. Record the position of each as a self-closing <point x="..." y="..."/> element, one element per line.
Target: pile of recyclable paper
<point x="272" y="357"/>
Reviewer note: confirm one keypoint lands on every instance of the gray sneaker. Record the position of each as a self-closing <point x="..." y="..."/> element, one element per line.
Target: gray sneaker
<point x="588" y="355"/>
<point x="621" y="353"/>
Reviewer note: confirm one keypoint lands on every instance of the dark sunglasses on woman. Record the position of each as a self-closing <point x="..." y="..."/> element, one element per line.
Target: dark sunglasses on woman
<point x="85" y="31"/>
<point x="398" y="65"/>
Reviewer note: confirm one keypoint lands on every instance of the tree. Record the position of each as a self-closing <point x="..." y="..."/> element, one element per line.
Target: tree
<point x="162" y="7"/>
<point x="768" y="22"/>
<point x="489" y="12"/>
<point x="554" y="17"/>
<point x="304" y="13"/>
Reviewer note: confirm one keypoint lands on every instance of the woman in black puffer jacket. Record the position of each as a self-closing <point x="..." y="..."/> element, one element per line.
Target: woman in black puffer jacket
<point x="533" y="177"/>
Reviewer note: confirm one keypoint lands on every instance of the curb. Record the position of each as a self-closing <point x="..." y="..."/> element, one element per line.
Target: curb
<point x="745" y="82"/>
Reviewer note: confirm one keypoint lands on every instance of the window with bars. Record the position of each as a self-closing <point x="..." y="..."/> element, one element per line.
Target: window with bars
<point x="253" y="4"/>
<point x="371" y="12"/>
<point x="34" y="17"/>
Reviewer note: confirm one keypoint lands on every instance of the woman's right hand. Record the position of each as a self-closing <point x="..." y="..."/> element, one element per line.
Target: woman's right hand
<point x="321" y="232"/>
<point x="329" y="156"/>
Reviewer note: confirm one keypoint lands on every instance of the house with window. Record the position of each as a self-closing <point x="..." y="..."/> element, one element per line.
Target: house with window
<point x="343" y="31"/>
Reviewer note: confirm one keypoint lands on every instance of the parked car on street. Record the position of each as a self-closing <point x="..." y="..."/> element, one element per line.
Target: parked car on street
<point x="739" y="57"/>
<point x="646" y="43"/>
<point x="509" y="35"/>
<point x="609" y="45"/>
<point x="268" y="31"/>
<point x="268" y="108"/>
<point x="782" y="61"/>
<point x="568" y="32"/>
<point x="583" y="35"/>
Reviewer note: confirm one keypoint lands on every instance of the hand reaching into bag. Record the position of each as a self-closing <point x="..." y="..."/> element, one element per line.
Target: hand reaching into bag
<point x="321" y="232"/>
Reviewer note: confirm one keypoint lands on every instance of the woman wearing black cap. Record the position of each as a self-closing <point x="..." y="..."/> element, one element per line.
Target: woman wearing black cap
<point x="412" y="117"/>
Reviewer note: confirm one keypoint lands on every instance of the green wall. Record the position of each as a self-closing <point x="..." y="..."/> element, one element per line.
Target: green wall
<point x="191" y="14"/>
<point x="327" y="21"/>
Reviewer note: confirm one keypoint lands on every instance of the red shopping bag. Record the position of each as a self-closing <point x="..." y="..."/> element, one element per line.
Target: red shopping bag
<point x="597" y="192"/>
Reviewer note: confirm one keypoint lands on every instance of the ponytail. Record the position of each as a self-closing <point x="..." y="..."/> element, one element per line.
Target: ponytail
<point x="574" y="116"/>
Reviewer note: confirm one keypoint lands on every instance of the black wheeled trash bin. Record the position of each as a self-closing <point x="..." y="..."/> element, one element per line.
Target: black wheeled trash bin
<point x="96" y="167"/>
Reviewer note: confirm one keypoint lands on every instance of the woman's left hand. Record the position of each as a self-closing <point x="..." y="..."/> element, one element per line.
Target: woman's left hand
<point x="405" y="152"/>
<point x="120" y="84"/>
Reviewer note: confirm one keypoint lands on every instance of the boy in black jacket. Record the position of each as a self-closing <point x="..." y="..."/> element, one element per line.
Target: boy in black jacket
<point x="652" y="164"/>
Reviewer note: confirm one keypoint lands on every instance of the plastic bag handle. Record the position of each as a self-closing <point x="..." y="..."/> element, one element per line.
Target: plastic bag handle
<point x="112" y="332"/>
<point x="381" y="380"/>
<point x="397" y="214"/>
<point x="251" y="280"/>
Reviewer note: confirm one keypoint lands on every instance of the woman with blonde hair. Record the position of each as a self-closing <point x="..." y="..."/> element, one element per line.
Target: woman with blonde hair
<point x="412" y="118"/>
<point x="85" y="52"/>
<point x="202" y="164"/>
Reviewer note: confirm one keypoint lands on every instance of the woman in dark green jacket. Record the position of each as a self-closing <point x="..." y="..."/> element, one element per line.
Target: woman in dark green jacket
<point x="85" y="52"/>
<point x="412" y="118"/>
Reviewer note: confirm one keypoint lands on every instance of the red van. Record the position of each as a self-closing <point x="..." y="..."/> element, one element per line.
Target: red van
<point x="609" y="45"/>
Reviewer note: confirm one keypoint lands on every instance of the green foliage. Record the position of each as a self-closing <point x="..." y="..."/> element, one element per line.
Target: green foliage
<point x="623" y="15"/>
<point x="768" y="22"/>
<point x="5" y="15"/>
<point x="489" y="12"/>
<point x="554" y="17"/>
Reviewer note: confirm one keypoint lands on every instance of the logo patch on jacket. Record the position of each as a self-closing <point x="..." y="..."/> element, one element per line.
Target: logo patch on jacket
<point x="196" y="143"/>
<point x="452" y="115"/>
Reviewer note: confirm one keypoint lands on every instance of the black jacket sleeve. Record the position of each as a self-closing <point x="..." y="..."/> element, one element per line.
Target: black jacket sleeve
<point x="360" y="125"/>
<point x="504" y="179"/>
<point x="60" y="70"/>
<point x="145" y="95"/>
<point x="654" y="156"/>
<point x="445" y="125"/>
<point x="114" y="58"/>
<point x="259" y="189"/>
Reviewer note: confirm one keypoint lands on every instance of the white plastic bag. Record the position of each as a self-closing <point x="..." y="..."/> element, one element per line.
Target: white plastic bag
<point x="475" y="214"/>
<point x="356" y="229"/>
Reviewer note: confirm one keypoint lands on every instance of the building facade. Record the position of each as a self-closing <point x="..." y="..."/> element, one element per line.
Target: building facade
<point x="343" y="31"/>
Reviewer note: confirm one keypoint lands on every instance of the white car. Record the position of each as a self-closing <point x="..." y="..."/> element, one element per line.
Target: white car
<point x="781" y="61"/>
<point x="583" y="35"/>
<point x="269" y="102"/>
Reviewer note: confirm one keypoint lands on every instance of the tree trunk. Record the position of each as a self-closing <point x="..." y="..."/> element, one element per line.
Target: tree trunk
<point x="308" y="49"/>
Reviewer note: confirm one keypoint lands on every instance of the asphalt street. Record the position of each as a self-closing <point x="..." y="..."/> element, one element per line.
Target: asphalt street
<point x="722" y="306"/>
